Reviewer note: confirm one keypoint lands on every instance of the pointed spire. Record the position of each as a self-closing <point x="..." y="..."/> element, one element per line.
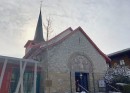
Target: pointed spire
<point x="39" y="30"/>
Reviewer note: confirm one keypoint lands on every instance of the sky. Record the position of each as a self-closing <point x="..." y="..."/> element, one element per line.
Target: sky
<point x="107" y="22"/>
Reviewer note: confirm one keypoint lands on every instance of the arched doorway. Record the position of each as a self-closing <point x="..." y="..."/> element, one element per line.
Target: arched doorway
<point x="81" y="72"/>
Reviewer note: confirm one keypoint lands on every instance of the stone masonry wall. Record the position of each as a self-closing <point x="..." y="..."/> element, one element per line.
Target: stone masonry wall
<point x="59" y="59"/>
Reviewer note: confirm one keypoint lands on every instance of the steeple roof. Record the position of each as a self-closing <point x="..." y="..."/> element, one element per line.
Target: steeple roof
<point x="39" y="30"/>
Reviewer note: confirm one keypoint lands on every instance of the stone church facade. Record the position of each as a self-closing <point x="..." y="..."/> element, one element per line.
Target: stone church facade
<point x="70" y="62"/>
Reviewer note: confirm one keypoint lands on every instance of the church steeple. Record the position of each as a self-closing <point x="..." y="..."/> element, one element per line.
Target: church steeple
<point x="39" y="30"/>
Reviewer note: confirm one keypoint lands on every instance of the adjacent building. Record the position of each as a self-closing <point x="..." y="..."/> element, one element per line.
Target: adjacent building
<point x="19" y="75"/>
<point x="121" y="57"/>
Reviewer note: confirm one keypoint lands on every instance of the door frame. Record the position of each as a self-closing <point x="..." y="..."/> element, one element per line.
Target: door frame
<point x="78" y="76"/>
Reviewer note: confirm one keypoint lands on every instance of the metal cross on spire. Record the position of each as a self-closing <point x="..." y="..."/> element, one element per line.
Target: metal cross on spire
<point x="41" y="4"/>
<point x="39" y="30"/>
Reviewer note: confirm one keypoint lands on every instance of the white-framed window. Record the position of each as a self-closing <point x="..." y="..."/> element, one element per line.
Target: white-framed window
<point x="122" y="62"/>
<point x="108" y="65"/>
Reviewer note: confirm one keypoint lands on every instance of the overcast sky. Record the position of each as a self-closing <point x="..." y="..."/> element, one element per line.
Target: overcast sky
<point x="107" y="22"/>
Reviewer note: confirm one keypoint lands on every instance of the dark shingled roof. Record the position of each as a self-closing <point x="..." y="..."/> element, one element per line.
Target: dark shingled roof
<point x="39" y="31"/>
<point x="119" y="52"/>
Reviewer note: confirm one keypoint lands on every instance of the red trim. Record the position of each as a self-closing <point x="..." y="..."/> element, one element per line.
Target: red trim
<point x="6" y="80"/>
<point x="61" y="33"/>
<point x="38" y="45"/>
<point x="8" y="74"/>
<point x="78" y="29"/>
<point x="28" y="42"/>
<point x="33" y="49"/>
<point x="105" y="56"/>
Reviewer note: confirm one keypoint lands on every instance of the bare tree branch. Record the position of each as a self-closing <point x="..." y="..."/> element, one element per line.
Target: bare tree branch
<point x="48" y="28"/>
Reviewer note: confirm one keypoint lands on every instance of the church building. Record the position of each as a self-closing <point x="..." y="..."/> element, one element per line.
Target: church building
<point x="68" y="63"/>
<point x="71" y="62"/>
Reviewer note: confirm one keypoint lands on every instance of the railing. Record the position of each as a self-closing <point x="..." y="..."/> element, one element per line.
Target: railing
<point x="108" y="85"/>
<point x="114" y="88"/>
<point x="83" y="88"/>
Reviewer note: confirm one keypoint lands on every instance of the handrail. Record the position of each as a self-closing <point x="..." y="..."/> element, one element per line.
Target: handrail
<point x="114" y="88"/>
<point x="83" y="88"/>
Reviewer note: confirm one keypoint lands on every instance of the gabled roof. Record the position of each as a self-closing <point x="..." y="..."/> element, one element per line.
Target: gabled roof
<point x="119" y="52"/>
<point x="95" y="46"/>
<point x="55" y="42"/>
<point x="28" y="42"/>
<point x="54" y="39"/>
